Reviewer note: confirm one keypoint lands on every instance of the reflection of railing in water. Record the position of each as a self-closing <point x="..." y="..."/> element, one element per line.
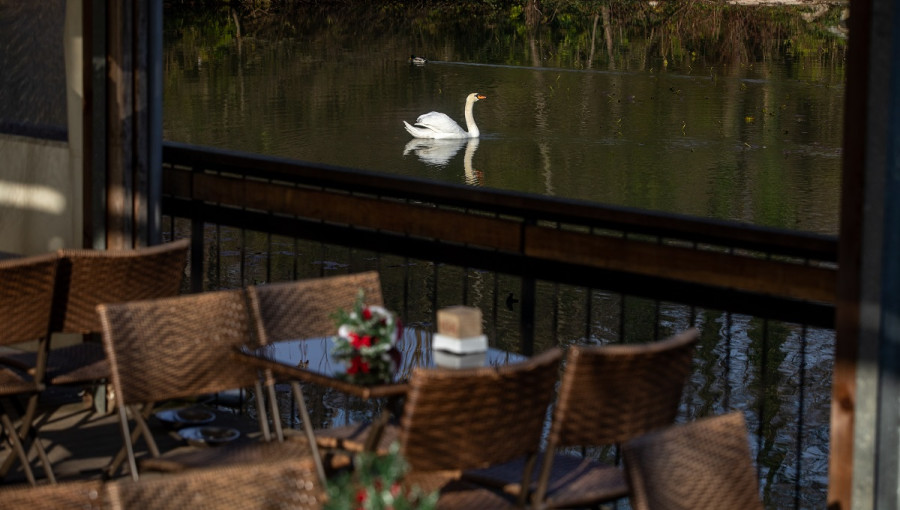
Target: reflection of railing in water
<point x="766" y="347"/>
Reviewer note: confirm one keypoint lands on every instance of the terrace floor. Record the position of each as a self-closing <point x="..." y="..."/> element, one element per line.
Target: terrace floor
<point x="80" y="440"/>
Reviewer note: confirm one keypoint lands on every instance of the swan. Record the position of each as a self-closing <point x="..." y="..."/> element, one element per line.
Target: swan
<point x="439" y="125"/>
<point x="435" y="152"/>
<point x="473" y="177"/>
<point x="440" y="152"/>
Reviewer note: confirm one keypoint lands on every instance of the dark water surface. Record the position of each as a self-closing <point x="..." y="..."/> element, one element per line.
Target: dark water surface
<point x="746" y="127"/>
<point x="756" y="141"/>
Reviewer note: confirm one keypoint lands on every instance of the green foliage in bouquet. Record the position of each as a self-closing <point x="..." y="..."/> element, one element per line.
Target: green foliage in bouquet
<point x="376" y="484"/>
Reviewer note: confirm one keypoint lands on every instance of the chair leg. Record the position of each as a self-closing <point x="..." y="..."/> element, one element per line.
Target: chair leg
<point x="276" y="415"/>
<point x="261" y="412"/>
<point x="45" y="460"/>
<point x="12" y="407"/>
<point x="141" y="424"/>
<point x="28" y="432"/>
<point x="117" y="461"/>
<point x="27" y="436"/>
<point x="308" y="428"/>
<point x="120" y="457"/>
<point x="17" y="446"/>
<point x="129" y="447"/>
<point x="377" y="430"/>
<point x="525" y="483"/>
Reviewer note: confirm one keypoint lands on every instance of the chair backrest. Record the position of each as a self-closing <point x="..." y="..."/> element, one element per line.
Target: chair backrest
<point x="88" y="278"/>
<point x="609" y="394"/>
<point x="457" y="419"/>
<point x="177" y="347"/>
<point x="26" y="297"/>
<point x="85" y="494"/>
<point x="305" y="307"/>
<point x="703" y="465"/>
<point x="258" y="486"/>
<point x="287" y="483"/>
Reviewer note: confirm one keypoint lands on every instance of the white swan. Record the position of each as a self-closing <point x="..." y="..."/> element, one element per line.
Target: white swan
<point x="438" y="125"/>
<point x="439" y="153"/>
<point x="435" y="152"/>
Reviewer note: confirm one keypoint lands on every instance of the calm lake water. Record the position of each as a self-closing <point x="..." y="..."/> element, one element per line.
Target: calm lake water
<point x="756" y="141"/>
<point x="747" y="128"/>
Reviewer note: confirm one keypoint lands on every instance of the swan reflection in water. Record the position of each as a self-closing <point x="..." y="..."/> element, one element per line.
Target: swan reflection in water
<point x="439" y="152"/>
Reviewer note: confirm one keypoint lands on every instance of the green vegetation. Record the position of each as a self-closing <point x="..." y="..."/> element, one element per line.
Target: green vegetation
<point x="376" y="483"/>
<point x="566" y="33"/>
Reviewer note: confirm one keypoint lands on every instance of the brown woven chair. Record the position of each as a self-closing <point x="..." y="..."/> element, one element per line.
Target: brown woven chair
<point x="703" y="465"/>
<point x="457" y="419"/>
<point x="87" y="278"/>
<point x="289" y="483"/>
<point x="286" y="483"/>
<point x="81" y="495"/>
<point x="174" y="348"/>
<point x="26" y="298"/>
<point x="303" y="309"/>
<point x="607" y="395"/>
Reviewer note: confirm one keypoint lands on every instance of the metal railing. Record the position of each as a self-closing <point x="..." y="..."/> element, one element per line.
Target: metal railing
<point x="545" y="271"/>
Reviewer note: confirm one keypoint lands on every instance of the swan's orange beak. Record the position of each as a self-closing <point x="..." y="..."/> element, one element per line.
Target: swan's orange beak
<point x="479" y="96"/>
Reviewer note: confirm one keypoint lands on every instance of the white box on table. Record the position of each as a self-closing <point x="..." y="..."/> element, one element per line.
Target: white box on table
<point x="441" y="342"/>
<point x="453" y="360"/>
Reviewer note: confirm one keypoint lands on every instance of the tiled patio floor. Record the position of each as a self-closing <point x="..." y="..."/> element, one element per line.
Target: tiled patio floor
<point x="80" y="441"/>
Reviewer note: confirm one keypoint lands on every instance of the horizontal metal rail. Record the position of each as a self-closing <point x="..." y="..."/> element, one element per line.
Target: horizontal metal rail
<point x="768" y="272"/>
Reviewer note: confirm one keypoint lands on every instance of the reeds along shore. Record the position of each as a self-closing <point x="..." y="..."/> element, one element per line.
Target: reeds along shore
<point x="590" y="34"/>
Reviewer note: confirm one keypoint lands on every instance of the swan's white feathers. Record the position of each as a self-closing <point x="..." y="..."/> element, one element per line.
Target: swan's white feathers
<point x="440" y="123"/>
<point x="437" y="125"/>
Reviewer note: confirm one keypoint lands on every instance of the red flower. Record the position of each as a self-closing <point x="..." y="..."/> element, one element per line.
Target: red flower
<point x="357" y="364"/>
<point x="361" y="495"/>
<point x="360" y="341"/>
<point x="366" y="313"/>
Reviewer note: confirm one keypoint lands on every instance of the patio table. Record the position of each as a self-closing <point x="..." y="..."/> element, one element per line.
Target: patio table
<point x="310" y="360"/>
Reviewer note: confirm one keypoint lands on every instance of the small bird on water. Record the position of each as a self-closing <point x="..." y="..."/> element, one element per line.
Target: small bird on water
<point x="417" y="60"/>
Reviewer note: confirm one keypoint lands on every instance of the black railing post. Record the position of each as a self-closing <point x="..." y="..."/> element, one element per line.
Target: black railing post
<point x="529" y="297"/>
<point x="197" y="272"/>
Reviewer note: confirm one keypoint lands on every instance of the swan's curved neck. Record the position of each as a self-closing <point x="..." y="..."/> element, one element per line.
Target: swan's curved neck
<point x="470" y="119"/>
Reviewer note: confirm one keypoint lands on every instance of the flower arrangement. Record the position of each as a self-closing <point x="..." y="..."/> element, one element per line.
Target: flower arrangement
<point x="366" y="342"/>
<point x="375" y="484"/>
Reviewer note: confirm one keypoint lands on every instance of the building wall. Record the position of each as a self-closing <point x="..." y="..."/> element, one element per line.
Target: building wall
<point x="39" y="197"/>
<point x="41" y="178"/>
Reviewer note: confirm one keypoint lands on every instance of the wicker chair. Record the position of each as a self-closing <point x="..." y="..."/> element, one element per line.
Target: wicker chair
<point x="180" y="347"/>
<point x="703" y="465"/>
<point x="607" y="395"/>
<point x="82" y="495"/>
<point x="288" y="483"/>
<point x="88" y="278"/>
<point x="281" y="484"/>
<point x="26" y="297"/>
<point x="457" y="419"/>
<point x="303" y="309"/>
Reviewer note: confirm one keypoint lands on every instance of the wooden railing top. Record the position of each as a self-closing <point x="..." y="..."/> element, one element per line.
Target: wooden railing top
<point x="767" y="272"/>
<point x="734" y="235"/>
